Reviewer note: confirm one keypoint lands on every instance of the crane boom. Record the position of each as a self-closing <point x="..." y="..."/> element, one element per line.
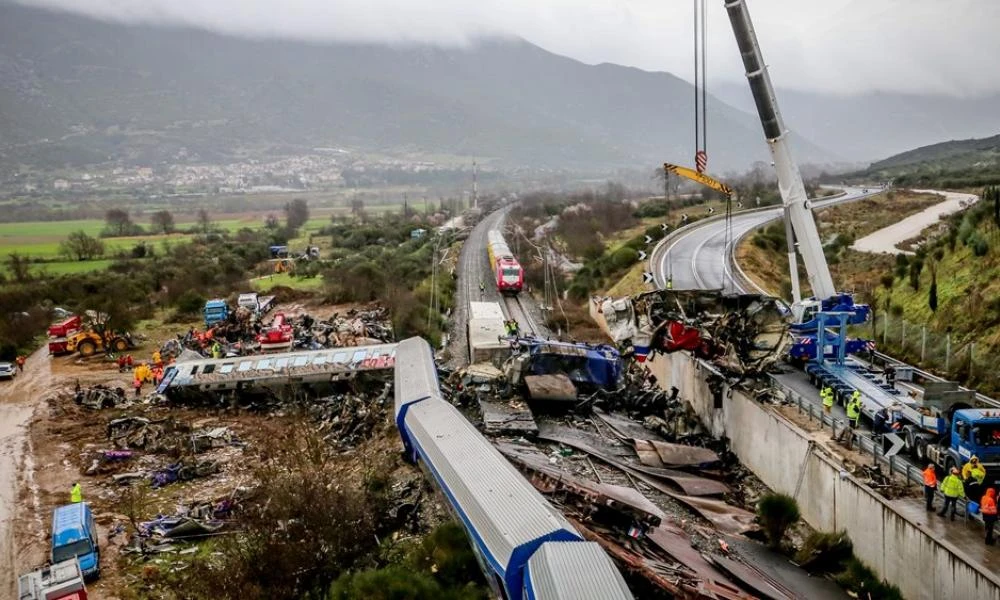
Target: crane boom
<point x="699" y="177"/>
<point x="793" y="191"/>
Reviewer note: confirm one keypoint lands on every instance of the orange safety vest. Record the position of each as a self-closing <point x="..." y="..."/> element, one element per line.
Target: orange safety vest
<point x="930" y="477"/>
<point x="988" y="505"/>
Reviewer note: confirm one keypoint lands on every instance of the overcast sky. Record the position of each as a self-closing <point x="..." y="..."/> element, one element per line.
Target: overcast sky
<point x="941" y="46"/>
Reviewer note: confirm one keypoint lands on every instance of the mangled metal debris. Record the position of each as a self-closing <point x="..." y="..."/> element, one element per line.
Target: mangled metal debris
<point x="742" y="334"/>
<point x="240" y="333"/>
<point x="101" y="396"/>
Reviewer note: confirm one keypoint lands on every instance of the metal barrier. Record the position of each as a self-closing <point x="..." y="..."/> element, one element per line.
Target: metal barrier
<point x="866" y="445"/>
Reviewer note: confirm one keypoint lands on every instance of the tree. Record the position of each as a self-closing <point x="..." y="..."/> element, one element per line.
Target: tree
<point x="932" y="299"/>
<point x="19" y="266"/>
<point x="119" y="222"/>
<point x="296" y="213"/>
<point x="991" y="193"/>
<point x="204" y="221"/>
<point x="777" y="512"/>
<point x="80" y="246"/>
<point x="357" y="206"/>
<point x="163" y="221"/>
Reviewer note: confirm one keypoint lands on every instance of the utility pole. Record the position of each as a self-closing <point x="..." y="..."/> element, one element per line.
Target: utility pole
<point x="475" y="185"/>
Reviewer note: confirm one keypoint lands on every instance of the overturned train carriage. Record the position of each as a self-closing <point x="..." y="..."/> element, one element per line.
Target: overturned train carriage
<point x="509" y="524"/>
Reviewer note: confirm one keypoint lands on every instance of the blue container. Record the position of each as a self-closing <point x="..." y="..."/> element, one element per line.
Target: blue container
<point x="973" y="508"/>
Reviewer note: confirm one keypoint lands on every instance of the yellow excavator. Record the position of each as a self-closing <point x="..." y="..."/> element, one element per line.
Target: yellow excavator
<point x="98" y="337"/>
<point x="701" y="178"/>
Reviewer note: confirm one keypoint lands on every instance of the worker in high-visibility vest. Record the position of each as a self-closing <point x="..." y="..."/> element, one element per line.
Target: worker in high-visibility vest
<point x="76" y="493"/>
<point x="826" y="394"/>
<point x="988" y="506"/>
<point x="930" y="484"/>
<point x="854" y="409"/>
<point x="973" y="474"/>
<point x="953" y="490"/>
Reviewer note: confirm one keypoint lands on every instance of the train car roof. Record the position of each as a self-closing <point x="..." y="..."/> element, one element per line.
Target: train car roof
<point x="574" y="571"/>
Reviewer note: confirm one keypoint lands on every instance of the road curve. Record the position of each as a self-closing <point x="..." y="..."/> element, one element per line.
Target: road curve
<point x="696" y="258"/>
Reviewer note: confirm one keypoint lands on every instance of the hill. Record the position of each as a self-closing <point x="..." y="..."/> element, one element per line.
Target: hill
<point x="78" y="91"/>
<point x="870" y="126"/>
<point x="953" y="164"/>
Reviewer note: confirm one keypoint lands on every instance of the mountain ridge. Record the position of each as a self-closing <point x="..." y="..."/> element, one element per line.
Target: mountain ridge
<point x="106" y="92"/>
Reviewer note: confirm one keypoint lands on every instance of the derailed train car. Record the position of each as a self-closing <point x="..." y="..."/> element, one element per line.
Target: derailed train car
<point x="526" y="548"/>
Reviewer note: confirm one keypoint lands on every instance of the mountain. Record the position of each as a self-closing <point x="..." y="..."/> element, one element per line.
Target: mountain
<point x="75" y="91"/>
<point x="871" y="126"/>
<point x="956" y="154"/>
<point x="954" y="164"/>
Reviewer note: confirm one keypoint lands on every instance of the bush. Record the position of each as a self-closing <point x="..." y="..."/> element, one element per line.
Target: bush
<point x="825" y="552"/>
<point x="777" y="512"/>
<point x="190" y="303"/>
<point x="624" y="258"/>
<point x="862" y="582"/>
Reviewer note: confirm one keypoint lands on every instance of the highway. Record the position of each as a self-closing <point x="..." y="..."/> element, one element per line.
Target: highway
<point x="696" y="258"/>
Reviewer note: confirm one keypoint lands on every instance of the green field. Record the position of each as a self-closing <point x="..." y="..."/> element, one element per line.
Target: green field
<point x="40" y="240"/>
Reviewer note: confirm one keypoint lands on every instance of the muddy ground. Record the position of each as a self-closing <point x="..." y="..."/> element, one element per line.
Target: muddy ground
<point x="47" y="441"/>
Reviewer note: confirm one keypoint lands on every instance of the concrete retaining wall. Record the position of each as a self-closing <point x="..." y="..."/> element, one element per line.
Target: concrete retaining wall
<point x="780" y="453"/>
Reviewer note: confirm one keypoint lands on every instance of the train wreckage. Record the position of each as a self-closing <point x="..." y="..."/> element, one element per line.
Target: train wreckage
<point x="742" y="334"/>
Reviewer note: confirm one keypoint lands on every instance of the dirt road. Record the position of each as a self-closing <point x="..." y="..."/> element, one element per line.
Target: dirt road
<point x="18" y="400"/>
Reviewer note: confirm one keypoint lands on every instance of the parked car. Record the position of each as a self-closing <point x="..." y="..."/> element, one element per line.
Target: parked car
<point x="7" y="370"/>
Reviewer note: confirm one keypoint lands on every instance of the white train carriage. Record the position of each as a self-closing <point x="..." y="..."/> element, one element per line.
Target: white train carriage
<point x="506" y="519"/>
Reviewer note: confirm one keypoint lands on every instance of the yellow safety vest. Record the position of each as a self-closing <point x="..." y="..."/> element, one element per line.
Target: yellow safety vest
<point x="76" y="494"/>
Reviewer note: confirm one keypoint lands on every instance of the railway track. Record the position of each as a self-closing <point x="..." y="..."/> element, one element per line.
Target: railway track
<point x="514" y="307"/>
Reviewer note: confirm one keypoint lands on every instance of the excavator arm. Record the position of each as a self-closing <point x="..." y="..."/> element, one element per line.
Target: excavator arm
<point x="701" y="178"/>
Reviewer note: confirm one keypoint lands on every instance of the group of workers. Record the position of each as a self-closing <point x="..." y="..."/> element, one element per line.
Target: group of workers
<point x="853" y="404"/>
<point x="967" y="483"/>
<point x="151" y="372"/>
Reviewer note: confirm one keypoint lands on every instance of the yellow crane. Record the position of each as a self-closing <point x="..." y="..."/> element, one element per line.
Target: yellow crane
<point x="699" y="178"/>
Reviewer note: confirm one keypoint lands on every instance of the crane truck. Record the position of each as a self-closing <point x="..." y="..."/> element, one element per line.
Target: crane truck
<point x="940" y="425"/>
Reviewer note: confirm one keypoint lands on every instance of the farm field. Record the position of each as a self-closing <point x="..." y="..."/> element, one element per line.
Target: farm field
<point x="39" y="240"/>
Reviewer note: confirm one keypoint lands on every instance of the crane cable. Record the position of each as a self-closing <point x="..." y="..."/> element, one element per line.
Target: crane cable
<point x="701" y="123"/>
<point x="700" y="87"/>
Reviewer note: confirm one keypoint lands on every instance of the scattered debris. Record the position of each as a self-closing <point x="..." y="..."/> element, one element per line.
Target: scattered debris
<point x="102" y="396"/>
<point x="744" y="335"/>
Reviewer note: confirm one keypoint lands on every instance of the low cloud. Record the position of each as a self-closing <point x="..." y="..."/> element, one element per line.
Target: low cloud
<point x="837" y="46"/>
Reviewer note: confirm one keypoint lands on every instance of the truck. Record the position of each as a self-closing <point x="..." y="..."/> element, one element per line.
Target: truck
<point x="803" y="348"/>
<point x="216" y="311"/>
<point x="61" y="581"/>
<point x="60" y="332"/>
<point x="276" y="337"/>
<point x="257" y="304"/>
<point x="486" y="332"/>
<point x="74" y="537"/>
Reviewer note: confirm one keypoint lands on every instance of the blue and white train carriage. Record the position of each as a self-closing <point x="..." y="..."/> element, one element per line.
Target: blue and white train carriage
<point x="527" y="549"/>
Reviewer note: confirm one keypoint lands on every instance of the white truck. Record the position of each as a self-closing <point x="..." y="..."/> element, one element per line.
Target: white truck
<point x="61" y="581"/>
<point x="257" y="304"/>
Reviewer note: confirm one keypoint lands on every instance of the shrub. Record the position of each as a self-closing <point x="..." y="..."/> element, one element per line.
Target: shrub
<point x="190" y="303"/>
<point x="862" y="582"/>
<point x="624" y="258"/>
<point x="825" y="552"/>
<point x="777" y="512"/>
